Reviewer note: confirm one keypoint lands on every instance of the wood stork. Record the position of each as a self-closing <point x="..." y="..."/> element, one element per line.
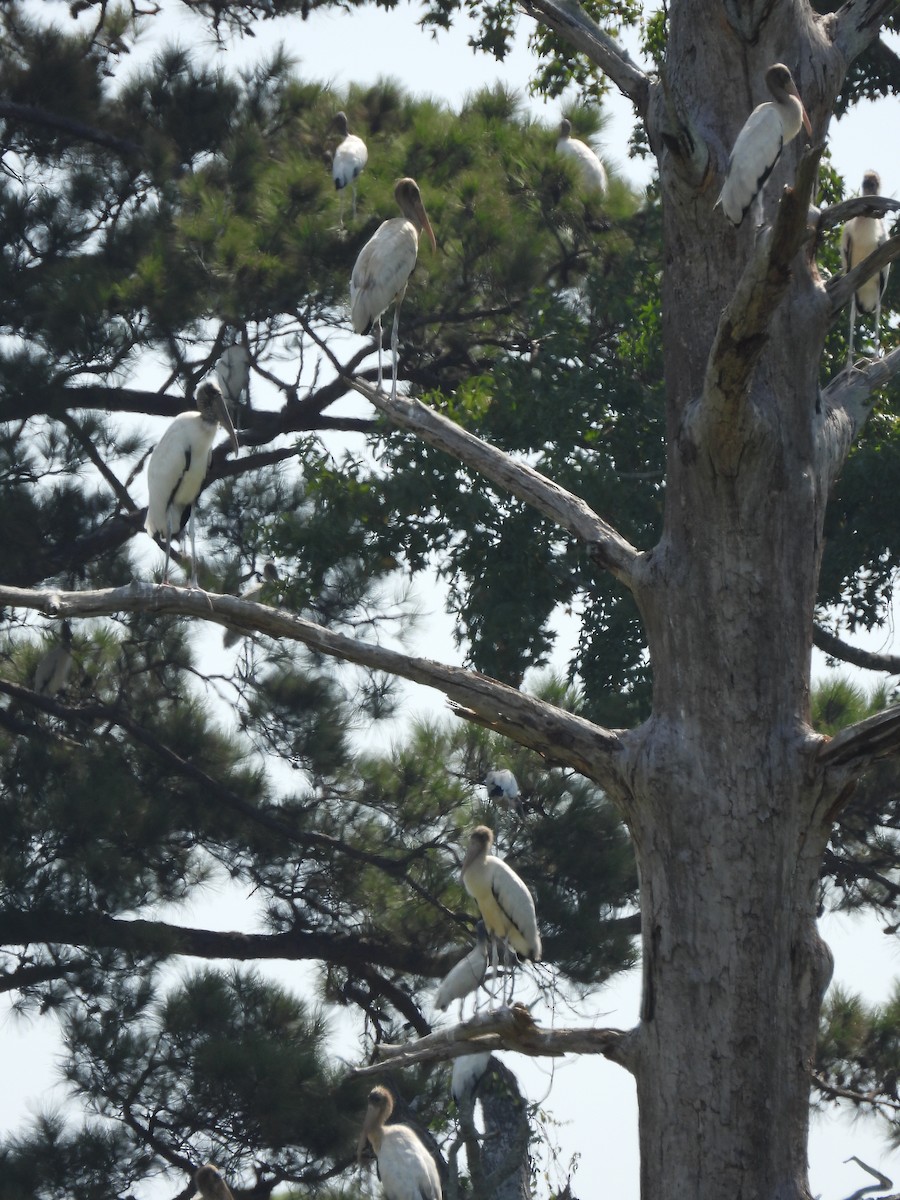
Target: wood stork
<point x="407" y="1170"/>
<point x="467" y="976"/>
<point x="592" y="170"/>
<point x="349" y="159"/>
<point x="861" y="237"/>
<point x="505" y="903"/>
<point x="210" y="1185"/>
<point x="766" y="131"/>
<point x="384" y="266"/>
<point x="468" y="1071"/>
<point x="233" y="372"/>
<point x="52" y="672"/>
<point x="503" y="785"/>
<point x="254" y="592"/>
<point x="178" y="467"/>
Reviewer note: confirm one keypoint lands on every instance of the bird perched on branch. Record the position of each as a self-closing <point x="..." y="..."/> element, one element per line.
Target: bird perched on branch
<point x="766" y="131"/>
<point x="349" y="159"/>
<point x="210" y="1185"/>
<point x="384" y="266"/>
<point x="591" y="169"/>
<point x="503" y="785"/>
<point x="505" y="903"/>
<point x="178" y="467"/>
<point x="859" y="238"/>
<point x="407" y="1170"/>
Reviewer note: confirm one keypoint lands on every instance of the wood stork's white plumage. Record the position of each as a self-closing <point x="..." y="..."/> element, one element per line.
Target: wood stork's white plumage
<point x="254" y="592"/>
<point x="505" y="903"/>
<point x="592" y="170"/>
<point x="407" y="1170"/>
<point x="384" y="266"/>
<point x="766" y="131"/>
<point x="210" y="1185"/>
<point x="503" y="785"/>
<point x="52" y="672"/>
<point x="178" y="467"/>
<point x="861" y="237"/>
<point x="468" y="974"/>
<point x="233" y="372"/>
<point x="349" y="159"/>
<point x="468" y="1071"/>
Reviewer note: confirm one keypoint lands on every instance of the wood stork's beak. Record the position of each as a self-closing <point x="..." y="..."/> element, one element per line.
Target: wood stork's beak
<point x="426" y="225"/>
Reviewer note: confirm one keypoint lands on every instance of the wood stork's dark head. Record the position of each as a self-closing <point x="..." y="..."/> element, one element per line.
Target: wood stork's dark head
<point x="378" y="1110"/>
<point x="212" y="407"/>
<point x="565" y="128"/>
<point x="871" y="184"/>
<point x="209" y="1183"/>
<point x="780" y="83"/>
<point x="480" y="842"/>
<point x="409" y="198"/>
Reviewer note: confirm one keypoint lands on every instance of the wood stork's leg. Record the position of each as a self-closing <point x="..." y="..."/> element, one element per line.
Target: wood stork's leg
<point x="193" y="549"/>
<point x="379" y="336"/>
<point x="494" y="970"/>
<point x="395" y="345"/>
<point x="165" y="578"/>
<point x="341" y="208"/>
<point x="852" y="330"/>
<point x="353" y="212"/>
<point x="878" y="326"/>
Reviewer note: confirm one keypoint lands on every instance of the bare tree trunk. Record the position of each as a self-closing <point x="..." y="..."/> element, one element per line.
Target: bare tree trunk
<point x="504" y="1155"/>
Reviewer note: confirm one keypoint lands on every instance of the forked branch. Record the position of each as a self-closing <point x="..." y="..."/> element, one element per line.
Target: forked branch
<point x="851" y="392"/>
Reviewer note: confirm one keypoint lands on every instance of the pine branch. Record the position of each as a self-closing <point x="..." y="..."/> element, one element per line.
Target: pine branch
<point x="506" y="1029"/>
<point x="159" y="939"/>
<point x="30" y="114"/>
<point x="841" y="287"/>
<point x="560" y="736"/>
<point x="569" y="21"/>
<point x="855" y="655"/>
<point x="882" y="1185"/>
<point x="607" y="547"/>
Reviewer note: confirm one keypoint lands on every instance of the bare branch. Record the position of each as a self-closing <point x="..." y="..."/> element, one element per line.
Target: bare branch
<point x="851" y="391"/>
<point x="118" y="488"/>
<point x="506" y="1029"/>
<point x="857" y="24"/>
<point x="872" y="738"/>
<point x="559" y="735"/>
<point x="858" y="206"/>
<point x="882" y="1185"/>
<point x="855" y="655"/>
<point x="569" y="21"/>
<point x="608" y="548"/>
<point x="841" y="287"/>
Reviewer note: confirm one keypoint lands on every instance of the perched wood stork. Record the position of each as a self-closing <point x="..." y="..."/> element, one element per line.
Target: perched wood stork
<point x="254" y="592"/>
<point x="503" y="785"/>
<point x="861" y="237"/>
<point x="766" y="131"/>
<point x="407" y="1170"/>
<point x="210" y="1185"/>
<point x="349" y="159"/>
<point x="52" y="672"/>
<point x="592" y="170"/>
<point x="178" y="467"/>
<point x="468" y="1071"/>
<point x="233" y="372"/>
<point x="468" y="974"/>
<point x="505" y="903"/>
<point x="384" y="266"/>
